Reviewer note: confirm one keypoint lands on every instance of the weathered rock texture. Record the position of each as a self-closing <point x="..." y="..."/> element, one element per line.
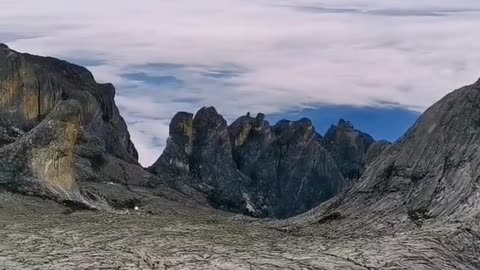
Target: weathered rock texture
<point x="61" y="135"/>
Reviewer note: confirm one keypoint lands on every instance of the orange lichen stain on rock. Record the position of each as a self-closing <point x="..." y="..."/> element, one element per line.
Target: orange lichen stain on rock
<point x="243" y="136"/>
<point x="55" y="163"/>
<point x="31" y="107"/>
<point x="9" y="91"/>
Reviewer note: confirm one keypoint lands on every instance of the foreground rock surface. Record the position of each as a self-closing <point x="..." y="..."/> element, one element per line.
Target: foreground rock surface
<point x="39" y="234"/>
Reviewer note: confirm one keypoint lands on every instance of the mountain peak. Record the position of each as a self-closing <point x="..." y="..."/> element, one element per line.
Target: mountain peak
<point x="208" y="116"/>
<point x="349" y="148"/>
<point x="207" y="111"/>
<point x="250" y="166"/>
<point x="260" y="117"/>
<point x="181" y="123"/>
<point x="344" y="124"/>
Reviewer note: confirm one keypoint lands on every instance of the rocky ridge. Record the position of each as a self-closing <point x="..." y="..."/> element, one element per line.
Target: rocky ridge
<point x="62" y="137"/>
<point x="254" y="168"/>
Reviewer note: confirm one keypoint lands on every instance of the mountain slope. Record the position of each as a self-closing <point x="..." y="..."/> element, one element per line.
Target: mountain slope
<point x="430" y="176"/>
<point x="417" y="206"/>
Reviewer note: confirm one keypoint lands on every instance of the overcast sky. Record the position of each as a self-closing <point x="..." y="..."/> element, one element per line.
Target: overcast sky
<point x="273" y="56"/>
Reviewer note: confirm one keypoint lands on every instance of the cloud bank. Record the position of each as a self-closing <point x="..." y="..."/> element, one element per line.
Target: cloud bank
<point x="255" y="55"/>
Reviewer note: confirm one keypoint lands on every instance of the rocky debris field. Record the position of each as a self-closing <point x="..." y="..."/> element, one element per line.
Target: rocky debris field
<point x="39" y="234"/>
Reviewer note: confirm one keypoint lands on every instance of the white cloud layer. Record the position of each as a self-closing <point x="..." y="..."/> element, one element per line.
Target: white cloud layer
<point x="256" y="55"/>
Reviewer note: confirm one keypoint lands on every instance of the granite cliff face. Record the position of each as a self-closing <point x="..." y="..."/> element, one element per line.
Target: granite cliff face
<point x="61" y="135"/>
<point x="258" y="169"/>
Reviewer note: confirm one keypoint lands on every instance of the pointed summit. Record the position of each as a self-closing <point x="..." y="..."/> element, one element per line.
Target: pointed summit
<point x="349" y="148"/>
<point x="344" y="124"/>
<point x="208" y="116"/>
<point x="250" y="167"/>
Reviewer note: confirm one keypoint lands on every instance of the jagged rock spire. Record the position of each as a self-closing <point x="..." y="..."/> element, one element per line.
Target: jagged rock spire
<point x="253" y="163"/>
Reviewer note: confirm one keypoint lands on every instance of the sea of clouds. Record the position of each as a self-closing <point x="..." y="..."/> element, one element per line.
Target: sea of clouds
<point x="271" y="56"/>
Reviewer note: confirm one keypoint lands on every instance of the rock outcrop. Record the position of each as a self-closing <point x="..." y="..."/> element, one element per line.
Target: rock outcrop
<point x="290" y="169"/>
<point x="199" y="155"/>
<point x="349" y="148"/>
<point x="250" y="166"/>
<point x="61" y="135"/>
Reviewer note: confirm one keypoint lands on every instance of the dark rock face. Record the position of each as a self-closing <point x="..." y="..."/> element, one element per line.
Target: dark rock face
<point x="290" y="168"/>
<point x="199" y="155"/>
<point x="32" y="86"/>
<point x="8" y="132"/>
<point x="349" y="147"/>
<point x="176" y="158"/>
<point x="61" y="135"/>
<point x="274" y="171"/>
<point x="213" y="167"/>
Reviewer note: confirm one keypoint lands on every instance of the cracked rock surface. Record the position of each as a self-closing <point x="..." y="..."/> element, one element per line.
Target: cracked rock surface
<point x="38" y="234"/>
